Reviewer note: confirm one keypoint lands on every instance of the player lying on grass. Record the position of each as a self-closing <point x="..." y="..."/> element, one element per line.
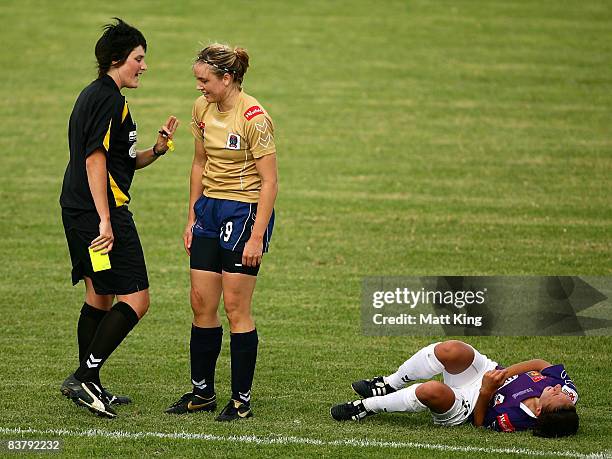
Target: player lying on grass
<point x="528" y="395"/>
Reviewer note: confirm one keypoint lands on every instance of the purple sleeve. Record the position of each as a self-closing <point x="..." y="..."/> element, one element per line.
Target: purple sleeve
<point x="512" y="419"/>
<point x="559" y="373"/>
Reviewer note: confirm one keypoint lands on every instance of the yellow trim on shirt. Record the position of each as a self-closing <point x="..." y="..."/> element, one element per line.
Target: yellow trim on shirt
<point x="120" y="197"/>
<point x="106" y="141"/>
<point x="125" y="111"/>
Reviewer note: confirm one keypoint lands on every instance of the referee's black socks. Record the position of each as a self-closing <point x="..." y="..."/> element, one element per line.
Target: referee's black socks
<point x="204" y="347"/>
<point x="112" y="330"/>
<point x="243" y="349"/>
<point x="89" y="320"/>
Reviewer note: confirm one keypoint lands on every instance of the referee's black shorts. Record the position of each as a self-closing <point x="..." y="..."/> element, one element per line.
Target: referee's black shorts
<point x="128" y="273"/>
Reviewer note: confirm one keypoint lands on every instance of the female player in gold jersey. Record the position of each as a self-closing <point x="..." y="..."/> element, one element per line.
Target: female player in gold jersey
<point x="233" y="188"/>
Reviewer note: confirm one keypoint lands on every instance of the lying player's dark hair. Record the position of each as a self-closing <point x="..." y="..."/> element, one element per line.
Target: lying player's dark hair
<point x="557" y="423"/>
<point x="116" y="44"/>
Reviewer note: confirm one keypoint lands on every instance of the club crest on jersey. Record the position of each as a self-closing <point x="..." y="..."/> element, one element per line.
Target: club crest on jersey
<point x="499" y="399"/>
<point x="233" y="141"/>
<point x="535" y="376"/>
<point x="201" y="126"/>
<point x="571" y="393"/>
<point x="252" y="112"/>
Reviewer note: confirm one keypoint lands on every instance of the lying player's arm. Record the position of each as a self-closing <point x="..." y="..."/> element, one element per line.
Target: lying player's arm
<point x="529" y="365"/>
<point x="491" y="381"/>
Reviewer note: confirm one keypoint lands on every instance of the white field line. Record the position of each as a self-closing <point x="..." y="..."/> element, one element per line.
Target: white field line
<point x="284" y="440"/>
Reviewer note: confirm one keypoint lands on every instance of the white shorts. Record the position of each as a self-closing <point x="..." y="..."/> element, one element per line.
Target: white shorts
<point x="466" y="386"/>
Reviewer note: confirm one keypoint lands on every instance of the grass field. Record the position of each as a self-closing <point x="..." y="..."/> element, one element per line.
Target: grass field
<point x="414" y="138"/>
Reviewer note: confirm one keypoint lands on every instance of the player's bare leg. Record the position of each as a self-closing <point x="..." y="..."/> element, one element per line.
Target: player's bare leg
<point x="436" y="396"/>
<point x="205" y="297"/>
<point x="138" y="301"/>
<point x="205" y="343"/>
<point x="237" y="295"/>
<point x="456" y="356"/>
<point x="102" y="302"/>
<point x="424" y="364"/>
<point x="452" y="355"/>
<point x="389" y="393"/>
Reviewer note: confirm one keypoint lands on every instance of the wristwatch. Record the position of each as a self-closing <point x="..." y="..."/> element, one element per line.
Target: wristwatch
<point x="158" y="153"/>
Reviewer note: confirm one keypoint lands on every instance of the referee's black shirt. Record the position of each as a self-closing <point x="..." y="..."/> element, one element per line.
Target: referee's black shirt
<point x="100" y="119"/>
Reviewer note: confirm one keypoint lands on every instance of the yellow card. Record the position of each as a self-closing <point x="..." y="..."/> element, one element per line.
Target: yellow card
<point x="99" y="261"/>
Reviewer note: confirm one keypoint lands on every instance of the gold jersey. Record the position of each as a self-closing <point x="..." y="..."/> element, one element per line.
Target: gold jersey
<point x="232" y="141"/>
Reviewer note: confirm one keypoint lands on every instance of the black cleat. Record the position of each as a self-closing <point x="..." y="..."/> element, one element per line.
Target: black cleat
<point x="367" y="388"/>
<point x="87" y="394"/>
<point x="234" y="410"/>
<point x="191" y="403"/>
<point x="115" y="399"/>
<point x="354" y="411"/>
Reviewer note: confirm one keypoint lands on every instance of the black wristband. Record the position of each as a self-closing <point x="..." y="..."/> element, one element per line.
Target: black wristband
<point x="158" y="153"/>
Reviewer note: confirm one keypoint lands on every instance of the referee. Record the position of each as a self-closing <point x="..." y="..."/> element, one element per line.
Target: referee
<point x="102" y="239"/>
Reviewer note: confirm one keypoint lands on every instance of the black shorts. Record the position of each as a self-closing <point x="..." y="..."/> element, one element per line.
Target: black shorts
<point x="220" y="232"/>
<point x="128" y="273"/>
<point x="208" y="255"/>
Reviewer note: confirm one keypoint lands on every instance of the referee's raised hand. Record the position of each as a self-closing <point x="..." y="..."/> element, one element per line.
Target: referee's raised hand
<point x="165" y="134"/>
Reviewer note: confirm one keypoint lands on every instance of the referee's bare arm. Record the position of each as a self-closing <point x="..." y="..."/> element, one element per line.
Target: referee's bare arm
<point x="97" y="176"/>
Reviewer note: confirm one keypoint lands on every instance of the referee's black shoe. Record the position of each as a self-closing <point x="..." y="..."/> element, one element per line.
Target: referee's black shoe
<point x="87" y="394"/>
<point x="374" y="387"/>
<point x="234" y="410"/>
<point x="191" y="403"/>
<point x="115" y="399"/>
<point x="354" y="411"/>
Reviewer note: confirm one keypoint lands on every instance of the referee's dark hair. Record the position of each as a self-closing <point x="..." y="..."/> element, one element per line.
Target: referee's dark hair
<point x="116" y="44"/>
<point x="561" y="422"/>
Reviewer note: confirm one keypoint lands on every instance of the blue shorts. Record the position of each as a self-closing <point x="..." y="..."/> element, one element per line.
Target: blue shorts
<point x="231" y="222"/>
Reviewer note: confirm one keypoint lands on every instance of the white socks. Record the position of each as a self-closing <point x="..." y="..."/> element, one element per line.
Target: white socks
<point x="402" y="400"/>
<point x="422" y="365"/>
